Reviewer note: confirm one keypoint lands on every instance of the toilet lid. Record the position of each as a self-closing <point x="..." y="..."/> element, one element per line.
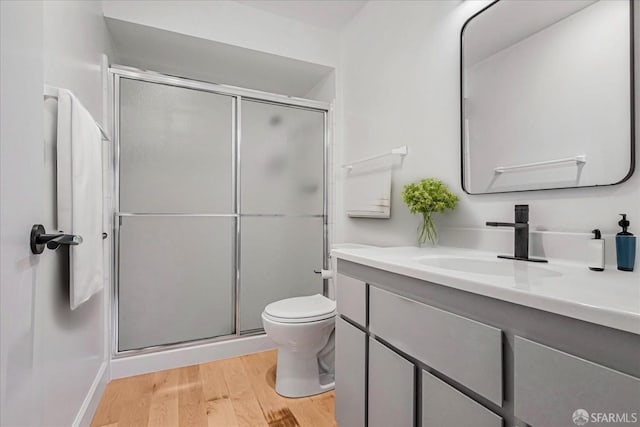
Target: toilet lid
<point x="305" y="309"/>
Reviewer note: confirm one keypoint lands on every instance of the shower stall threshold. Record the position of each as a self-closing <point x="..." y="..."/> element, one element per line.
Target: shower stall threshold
<point x="126" y="366"/>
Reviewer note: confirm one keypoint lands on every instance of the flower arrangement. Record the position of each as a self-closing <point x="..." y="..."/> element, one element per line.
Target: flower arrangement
<point x="426" y="197"/>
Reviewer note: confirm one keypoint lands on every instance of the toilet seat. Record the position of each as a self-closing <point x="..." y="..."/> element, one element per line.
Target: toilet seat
<point x="301" y="309"/>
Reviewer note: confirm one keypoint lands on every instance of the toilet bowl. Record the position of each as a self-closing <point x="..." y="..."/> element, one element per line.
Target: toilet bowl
<point x="302" y="329"/>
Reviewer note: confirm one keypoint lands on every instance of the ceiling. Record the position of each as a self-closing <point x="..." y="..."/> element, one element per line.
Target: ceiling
<point x="329" y="14"/>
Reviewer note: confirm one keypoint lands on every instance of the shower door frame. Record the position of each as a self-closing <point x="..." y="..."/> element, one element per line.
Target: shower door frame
<point x="238" y="94"/>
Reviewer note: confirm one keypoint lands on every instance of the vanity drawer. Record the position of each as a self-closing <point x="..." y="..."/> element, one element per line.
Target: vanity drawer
<point x="351" y="298"/>
<point x="443" y="405"/>
<point x="466" y="351"/>
<point x="550" y="385"/>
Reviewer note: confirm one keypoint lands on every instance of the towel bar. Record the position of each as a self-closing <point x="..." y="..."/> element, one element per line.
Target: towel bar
<point x="52" y="92"/>
<point x="398" y="151"/>
<point x="39" y="239"/>
<point x="578" y="160"/>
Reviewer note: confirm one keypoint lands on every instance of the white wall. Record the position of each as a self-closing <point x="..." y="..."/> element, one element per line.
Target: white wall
<point x="75" y="37"/>
<point x="51" y="358"/>
<point x="21" y="178"/>
<point x="71" y="345"/>
<point x="232" y="23"/>
<point x="399" y="80"/>
<point x="324" y="90"/>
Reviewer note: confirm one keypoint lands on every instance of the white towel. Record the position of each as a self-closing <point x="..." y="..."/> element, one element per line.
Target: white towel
<point x="80" y="195"/>
<point x="368" y="191"/>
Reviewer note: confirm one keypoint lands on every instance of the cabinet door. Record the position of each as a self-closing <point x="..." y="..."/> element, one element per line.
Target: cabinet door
<point x="350" y="369"/>
<point x="442" y="405"/>
<point x="391" y="387"/>
<point x="553" y="388"/>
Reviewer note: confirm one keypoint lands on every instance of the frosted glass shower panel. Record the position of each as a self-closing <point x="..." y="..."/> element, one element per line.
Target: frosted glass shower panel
<point x="282" y="159"/>
<point x="176" y="279"/>
<point x="278" y="258"/>
<point x="176" y="149"/>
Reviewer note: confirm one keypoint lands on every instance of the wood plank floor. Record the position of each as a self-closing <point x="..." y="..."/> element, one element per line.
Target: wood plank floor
<point x="230" y="392"/>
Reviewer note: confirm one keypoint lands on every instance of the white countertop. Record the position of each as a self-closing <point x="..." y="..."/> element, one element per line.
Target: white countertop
<point x="610" y="298"/>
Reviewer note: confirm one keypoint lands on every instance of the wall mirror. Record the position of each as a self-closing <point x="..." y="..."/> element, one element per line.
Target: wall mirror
<point x="546" y="92"/>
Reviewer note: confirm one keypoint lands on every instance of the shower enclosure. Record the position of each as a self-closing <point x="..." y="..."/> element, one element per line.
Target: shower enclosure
<point x="220" y="205"/>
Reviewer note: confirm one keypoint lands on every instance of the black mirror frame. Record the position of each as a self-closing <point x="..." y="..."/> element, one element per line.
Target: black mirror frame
<point x="632" y="93"/>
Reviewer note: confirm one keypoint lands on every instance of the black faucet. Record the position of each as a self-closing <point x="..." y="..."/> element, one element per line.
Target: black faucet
<point x="521" y="235"/>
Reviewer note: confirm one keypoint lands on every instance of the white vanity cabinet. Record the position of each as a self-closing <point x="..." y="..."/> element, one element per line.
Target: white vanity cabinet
<point x="414" y="353"/>
<point x="381" y="361"/>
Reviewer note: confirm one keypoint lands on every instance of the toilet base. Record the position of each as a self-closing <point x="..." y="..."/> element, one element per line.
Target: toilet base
<point x="297" y="375"/>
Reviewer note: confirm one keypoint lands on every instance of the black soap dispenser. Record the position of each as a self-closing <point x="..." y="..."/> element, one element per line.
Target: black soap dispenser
<point x="625" y="246"/>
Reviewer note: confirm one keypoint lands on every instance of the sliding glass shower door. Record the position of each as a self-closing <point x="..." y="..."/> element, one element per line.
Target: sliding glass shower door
<point x="282" y="223"/>
<point x="177" y="215"/>
<point x="221" y="209"/>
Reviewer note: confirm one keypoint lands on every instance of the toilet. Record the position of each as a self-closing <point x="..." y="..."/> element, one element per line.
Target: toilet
<point x="302" y="329"/>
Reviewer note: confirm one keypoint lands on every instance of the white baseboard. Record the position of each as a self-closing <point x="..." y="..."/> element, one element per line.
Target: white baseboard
<point x="90" y="404"/>
<point x="151" y="362"/>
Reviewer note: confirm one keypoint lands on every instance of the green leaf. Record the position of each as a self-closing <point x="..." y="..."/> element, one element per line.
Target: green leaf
<point x="427" y="196"/>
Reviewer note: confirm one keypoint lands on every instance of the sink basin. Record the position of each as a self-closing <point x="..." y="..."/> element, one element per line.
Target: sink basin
<point x="489" y="267"/>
